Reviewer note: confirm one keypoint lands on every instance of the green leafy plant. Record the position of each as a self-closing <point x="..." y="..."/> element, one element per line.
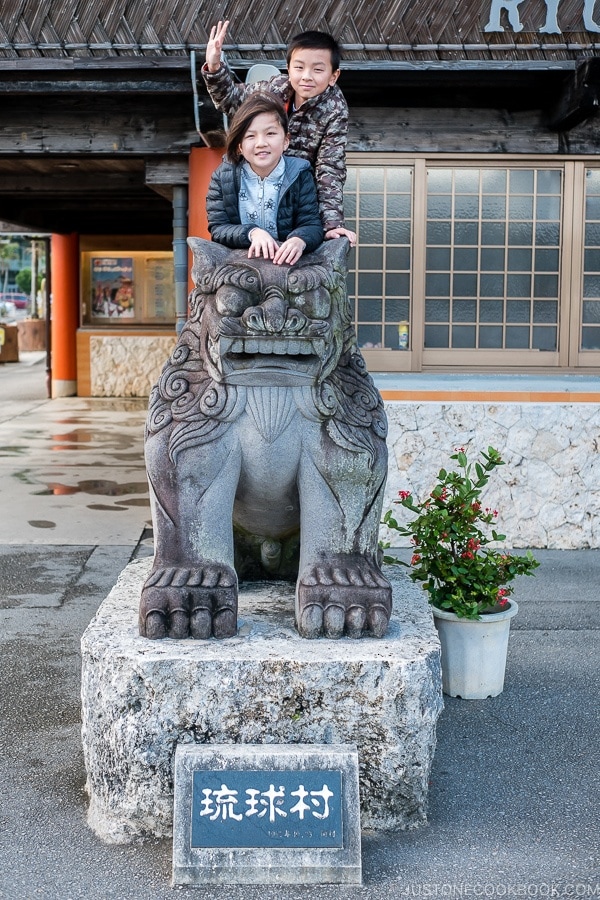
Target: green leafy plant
<point x="452" y="556"/>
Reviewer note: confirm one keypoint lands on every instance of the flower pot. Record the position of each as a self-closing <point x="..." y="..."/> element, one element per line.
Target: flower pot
<point x="474" y="652"/>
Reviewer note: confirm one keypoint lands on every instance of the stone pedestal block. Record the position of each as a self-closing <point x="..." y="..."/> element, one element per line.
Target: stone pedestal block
<point x="142" y="698"/>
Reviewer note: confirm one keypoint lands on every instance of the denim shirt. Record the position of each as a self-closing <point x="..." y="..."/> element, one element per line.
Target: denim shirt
<point x="259" y="197"/>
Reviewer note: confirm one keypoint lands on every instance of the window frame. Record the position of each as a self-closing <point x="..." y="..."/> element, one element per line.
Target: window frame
<point x="569" y="355"/>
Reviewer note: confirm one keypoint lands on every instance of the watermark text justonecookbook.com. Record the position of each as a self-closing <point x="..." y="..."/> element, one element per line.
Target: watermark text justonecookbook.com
<point x="542" y="889"/>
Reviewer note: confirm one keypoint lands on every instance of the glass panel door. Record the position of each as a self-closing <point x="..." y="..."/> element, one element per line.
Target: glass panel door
<point x="590" y="312"/>
<point x="492" y="258"/>
<point x="378" y="204"/>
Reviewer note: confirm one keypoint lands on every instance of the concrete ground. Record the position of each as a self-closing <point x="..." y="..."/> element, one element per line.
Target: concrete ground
<point x="514" y="799"/>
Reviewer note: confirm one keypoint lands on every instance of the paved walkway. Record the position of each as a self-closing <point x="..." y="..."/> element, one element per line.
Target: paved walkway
<point x="514" y="800"/>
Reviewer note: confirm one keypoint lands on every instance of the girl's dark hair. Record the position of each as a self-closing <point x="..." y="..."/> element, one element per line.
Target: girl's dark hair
<point x="315" y="40"/>
<point x="256" y="104"/>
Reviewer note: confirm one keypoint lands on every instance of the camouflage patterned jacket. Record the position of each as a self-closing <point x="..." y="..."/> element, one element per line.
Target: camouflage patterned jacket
<point x="318" y="132"/>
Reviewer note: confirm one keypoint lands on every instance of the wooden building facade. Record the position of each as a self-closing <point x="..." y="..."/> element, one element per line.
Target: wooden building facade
<point x="473" y="169"/>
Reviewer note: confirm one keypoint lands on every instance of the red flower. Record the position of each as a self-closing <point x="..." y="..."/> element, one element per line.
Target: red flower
<point x="403" y="494"/>
<point x="415" y="559"/>
<point x="501" y="596"/>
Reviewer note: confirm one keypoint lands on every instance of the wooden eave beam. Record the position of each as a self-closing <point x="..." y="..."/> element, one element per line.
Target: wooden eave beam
<point x="123" y="75"/>
<point x="579" y="99"/>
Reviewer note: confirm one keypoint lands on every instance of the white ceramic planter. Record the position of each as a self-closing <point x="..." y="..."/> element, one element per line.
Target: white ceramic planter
<point x="474" y="652"/>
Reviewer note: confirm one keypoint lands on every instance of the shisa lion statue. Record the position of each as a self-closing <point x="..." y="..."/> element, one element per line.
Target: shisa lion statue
<point x="265" y="451"/>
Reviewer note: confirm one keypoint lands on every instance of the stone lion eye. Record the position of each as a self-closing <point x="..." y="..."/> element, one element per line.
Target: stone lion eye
<point x="232" y="302"/>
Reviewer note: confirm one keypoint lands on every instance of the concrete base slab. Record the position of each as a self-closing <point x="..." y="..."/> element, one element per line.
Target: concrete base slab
<point x="142" y="698"/>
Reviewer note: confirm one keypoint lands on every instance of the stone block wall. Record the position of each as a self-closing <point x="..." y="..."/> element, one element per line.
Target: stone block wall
<point x="127" y="366"/>
<point x="547" y="494"/>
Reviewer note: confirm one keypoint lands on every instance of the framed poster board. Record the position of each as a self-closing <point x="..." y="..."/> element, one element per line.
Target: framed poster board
<point x="127" y="287"/>
<point x="159" y="295"/>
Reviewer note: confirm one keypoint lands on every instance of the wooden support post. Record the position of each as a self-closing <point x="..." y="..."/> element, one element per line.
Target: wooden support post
<point x="65" y="313"/>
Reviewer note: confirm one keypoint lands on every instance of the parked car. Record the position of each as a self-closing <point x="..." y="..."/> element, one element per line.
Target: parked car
<point x="21" y="301"/>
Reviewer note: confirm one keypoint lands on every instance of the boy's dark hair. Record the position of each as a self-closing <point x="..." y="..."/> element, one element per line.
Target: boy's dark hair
<point x="315" y="40"/>
<point x="257" y="103"/>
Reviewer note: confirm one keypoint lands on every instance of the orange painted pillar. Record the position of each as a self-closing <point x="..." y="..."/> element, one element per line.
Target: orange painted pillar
<point x="65" y="313"/>
<point x="203" y="162"/>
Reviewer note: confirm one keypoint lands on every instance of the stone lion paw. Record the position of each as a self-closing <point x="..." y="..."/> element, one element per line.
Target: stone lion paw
<point x="200" y="602"/>
<point x="347" y="595"/>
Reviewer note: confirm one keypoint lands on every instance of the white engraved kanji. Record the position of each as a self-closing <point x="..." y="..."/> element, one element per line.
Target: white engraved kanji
<point x="221" y="805"/>
<point x="207" y="803"/>
<point x="252" y="802"/>
<point x="267" y="801"/>
<point x="301" y="807"/>
<point x="325" y="794"/>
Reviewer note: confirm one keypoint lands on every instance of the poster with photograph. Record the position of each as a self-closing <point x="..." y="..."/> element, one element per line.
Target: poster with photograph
<point x="112" y="287"/>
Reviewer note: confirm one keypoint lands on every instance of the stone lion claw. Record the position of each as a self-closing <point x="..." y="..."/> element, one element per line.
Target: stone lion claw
<point x="179" y="603"/>
<point x="348" y="596"/>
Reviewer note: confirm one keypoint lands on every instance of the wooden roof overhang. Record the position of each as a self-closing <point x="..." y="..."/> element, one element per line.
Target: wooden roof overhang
<point x="95" y="145"/>
<point x="97" y="104"/>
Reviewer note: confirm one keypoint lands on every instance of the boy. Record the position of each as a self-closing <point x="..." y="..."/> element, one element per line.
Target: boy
<point x="317" y="110"/>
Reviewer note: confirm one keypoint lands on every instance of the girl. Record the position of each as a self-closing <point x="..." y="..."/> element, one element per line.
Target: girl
<point x="259" y="198"/>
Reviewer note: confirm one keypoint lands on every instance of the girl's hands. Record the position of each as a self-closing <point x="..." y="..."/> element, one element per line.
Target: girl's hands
<point x="290" y="251"/>
<point x="215" y="45"/>
<point x="264" y="244"/>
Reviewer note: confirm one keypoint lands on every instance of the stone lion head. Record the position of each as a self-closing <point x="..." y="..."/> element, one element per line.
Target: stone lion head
<point x="262" y="323"/>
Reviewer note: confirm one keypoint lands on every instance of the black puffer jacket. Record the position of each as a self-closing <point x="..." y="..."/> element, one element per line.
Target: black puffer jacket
<point x="297" y="215"/>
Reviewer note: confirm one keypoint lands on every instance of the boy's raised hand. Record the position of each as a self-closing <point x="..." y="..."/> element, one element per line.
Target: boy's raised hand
<point x="216" y="39"/>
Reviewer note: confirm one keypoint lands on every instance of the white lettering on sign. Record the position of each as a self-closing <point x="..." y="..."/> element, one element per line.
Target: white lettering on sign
<point x="316" y="797"/>
<point x="551" y="26"/>
<point x="222" y="804"/>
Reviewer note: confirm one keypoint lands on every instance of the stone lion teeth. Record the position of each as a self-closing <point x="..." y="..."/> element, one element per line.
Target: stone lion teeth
<point x="251" y="346"/>
<point x="281" y="348"/>
<point x="293" y="347"/>
<point x="237" y="347"/>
